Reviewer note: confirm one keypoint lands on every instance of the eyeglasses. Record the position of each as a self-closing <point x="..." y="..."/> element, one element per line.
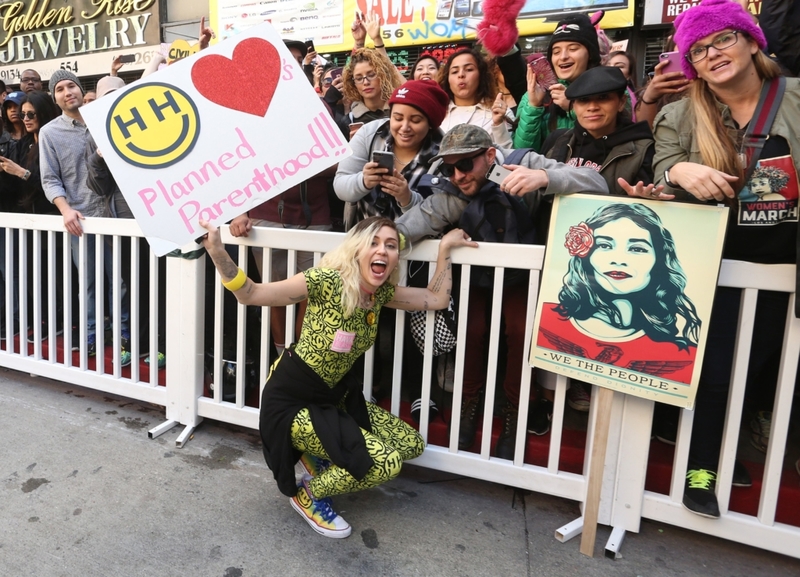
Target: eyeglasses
<point x="721" y="42"/>
<point x="29" y="80"/>
<point x="327" y="80"/>
<point x="361" y="79"/>
<point x="463" y="165"/>
<point x="30" y="115"/>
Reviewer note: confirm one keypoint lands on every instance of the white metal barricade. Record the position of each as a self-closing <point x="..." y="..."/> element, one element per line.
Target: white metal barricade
<point x="195" y="381"/>
<point x="39" y="249"/>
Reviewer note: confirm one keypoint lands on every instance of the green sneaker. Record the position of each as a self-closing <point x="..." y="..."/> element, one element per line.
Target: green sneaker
<point x="319" y="513"/>
<point x="124" y="358"/>
<point x="698" y="493"/>
<point x="162" y="360"/>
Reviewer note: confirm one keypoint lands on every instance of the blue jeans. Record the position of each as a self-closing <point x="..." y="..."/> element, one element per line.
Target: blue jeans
<point x="90" y="280"/>
<point x="14" y="275"/>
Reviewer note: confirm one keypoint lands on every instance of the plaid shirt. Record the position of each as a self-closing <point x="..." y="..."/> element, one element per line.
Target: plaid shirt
<point x="373" y="203"/>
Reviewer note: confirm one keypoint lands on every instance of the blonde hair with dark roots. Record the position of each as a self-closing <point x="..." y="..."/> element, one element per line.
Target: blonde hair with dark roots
<point x="717" y="149"/>
<point x="344" y="258"/>
<point x="382" y="66"/>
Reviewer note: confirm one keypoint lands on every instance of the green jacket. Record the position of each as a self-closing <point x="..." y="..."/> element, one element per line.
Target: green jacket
<point x="532" y="123"/>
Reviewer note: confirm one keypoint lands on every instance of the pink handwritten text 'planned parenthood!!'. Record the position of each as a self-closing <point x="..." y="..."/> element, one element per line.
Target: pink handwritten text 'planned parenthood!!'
<point x="162" y="197"/>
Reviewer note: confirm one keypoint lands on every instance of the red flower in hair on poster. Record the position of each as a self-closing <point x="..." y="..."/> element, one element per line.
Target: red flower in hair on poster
<point x="580" y="240"/>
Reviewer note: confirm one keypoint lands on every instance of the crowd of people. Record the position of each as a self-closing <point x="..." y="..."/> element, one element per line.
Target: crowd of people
<point x="422" y="148"/>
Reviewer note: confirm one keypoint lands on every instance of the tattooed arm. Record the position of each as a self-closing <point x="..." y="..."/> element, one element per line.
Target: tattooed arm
<point x="274" y="294"/>
<point x="437" y="295"/>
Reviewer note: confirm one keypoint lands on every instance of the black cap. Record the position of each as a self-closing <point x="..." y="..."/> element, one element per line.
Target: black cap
<point x="297" y="45"/>
<point x="598" y="80"/>
<point x="577" y="28"/>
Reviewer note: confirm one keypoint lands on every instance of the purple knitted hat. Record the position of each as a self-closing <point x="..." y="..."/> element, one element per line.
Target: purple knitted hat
<point x="708" y="17"/>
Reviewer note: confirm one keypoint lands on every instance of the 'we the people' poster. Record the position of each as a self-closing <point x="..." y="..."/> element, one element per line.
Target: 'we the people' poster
<point x="627" y="290"/>
<point x="213" y="135"/>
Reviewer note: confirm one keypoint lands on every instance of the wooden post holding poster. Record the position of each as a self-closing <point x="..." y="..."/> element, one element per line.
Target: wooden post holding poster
<point x="626" y="295"/>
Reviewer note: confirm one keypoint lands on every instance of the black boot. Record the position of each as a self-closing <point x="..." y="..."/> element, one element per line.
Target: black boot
<point x="469" y="422"/>
<point x="505" y="443"/>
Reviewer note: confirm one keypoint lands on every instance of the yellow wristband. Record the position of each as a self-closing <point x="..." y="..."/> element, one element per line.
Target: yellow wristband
<point x="236" y="282"/>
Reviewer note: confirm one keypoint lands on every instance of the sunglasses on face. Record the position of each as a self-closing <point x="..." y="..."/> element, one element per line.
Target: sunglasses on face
<point x="29" y="115"/>
<point x="464" y="165"/>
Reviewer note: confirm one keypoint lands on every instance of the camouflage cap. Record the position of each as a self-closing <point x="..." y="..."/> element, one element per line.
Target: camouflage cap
<point x="463" y="139"/>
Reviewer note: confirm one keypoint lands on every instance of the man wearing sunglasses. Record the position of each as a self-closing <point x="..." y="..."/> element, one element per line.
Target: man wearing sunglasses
<point x="466" y="154"/>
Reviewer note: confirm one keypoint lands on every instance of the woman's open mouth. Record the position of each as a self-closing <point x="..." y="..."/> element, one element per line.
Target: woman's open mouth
<point x="617" y="274"/>
<point x="378" y="267"/>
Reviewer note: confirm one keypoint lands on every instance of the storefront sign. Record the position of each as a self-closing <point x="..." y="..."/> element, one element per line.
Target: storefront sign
<point x="665" y="11"/>
<point x="405" y="22"/>
<point x="82" y="36"/>
<point x="183" y="146"/>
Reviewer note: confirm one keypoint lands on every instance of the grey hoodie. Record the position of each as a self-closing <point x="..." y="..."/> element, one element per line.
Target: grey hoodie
<point x="442" y="210"/>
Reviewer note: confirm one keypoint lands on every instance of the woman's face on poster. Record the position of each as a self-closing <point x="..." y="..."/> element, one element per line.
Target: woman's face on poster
<point x="623" y="257"/>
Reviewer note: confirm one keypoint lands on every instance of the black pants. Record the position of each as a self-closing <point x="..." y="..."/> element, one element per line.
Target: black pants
<point x="715" y="378"/>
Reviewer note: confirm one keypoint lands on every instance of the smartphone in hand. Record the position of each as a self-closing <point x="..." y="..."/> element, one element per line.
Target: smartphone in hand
<point x="545" y="76"/>
<point x="335" y="73"/>
<point x="674" y="59"/>
<point x="384" y="160"/>
<point x="127" y="58"/>
<point x="310" y="46"/>
<point x="497" y="173"/>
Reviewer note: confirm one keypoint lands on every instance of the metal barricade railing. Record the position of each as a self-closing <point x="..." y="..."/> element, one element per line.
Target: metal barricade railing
<point x="196" y="321"/>
<point x="760" y="530"/>
<point x="550" y="478"/>
<point x="51" y="298"/>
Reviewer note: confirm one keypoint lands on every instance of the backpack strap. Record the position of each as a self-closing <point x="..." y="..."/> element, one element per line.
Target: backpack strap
<point x="758" y="129"/>
<point x="517" y="155"/>
<point x="430" y="183"/>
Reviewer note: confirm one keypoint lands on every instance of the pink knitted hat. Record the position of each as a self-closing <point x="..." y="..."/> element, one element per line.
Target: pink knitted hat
<point x="708" y="17"/>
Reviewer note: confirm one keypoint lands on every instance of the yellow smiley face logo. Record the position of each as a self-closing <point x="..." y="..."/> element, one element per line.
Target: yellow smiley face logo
<point x="153" y="125"/>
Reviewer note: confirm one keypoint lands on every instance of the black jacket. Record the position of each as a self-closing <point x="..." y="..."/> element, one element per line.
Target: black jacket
<point x="780" y="22"/>
<point x="338" y="415"/>
<point x="626" y="153"/>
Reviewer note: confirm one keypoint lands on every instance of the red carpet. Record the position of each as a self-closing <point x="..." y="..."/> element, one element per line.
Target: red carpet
<point x="659" y="468"/>
<point x="144" y="368"/>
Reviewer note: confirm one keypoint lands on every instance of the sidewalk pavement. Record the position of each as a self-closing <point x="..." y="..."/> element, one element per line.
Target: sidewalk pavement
<point x="86" y="493"/>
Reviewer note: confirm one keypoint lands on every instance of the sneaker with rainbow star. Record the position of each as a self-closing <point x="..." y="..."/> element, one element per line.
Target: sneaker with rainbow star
<point x="319" y="513"/>
<point x="313" y="466"/>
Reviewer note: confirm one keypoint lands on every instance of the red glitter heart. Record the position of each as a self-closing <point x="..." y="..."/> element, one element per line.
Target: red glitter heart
<point x="256" y="68"/>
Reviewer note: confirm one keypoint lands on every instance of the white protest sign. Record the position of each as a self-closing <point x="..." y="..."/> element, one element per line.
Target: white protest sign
<point x="213" y="136"/>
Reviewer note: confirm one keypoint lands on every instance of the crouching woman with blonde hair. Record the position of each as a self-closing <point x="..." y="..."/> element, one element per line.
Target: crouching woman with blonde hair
<point x="311" y="410"/>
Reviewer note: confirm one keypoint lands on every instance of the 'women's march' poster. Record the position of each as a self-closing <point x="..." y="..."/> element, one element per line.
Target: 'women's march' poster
<point x="626" y="296"/>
